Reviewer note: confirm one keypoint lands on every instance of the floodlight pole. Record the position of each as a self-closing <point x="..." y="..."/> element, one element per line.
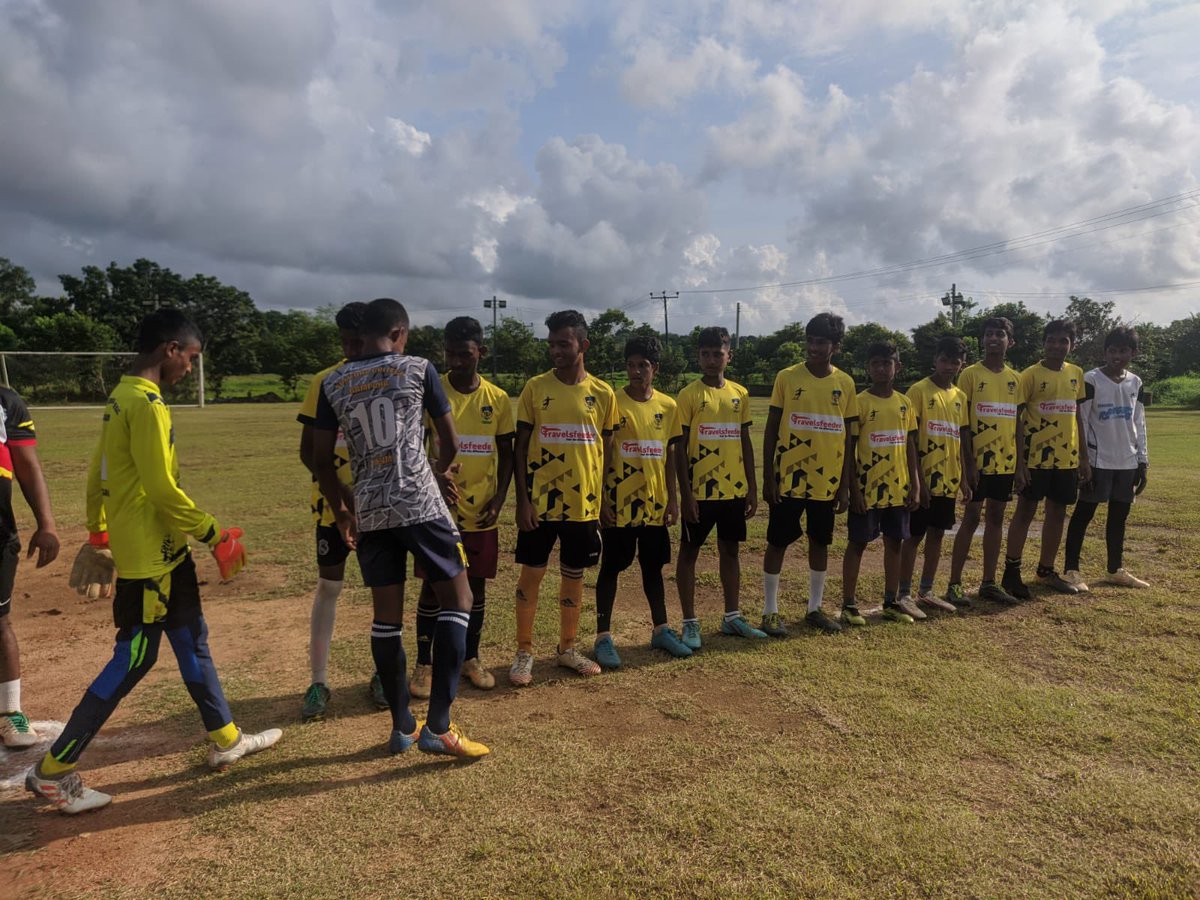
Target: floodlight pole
<point x="955" y="301"/>
<point x="495" y="306"/>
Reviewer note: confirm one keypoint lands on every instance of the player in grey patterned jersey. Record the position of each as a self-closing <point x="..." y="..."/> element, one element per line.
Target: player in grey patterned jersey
<point x="378" y="401"/>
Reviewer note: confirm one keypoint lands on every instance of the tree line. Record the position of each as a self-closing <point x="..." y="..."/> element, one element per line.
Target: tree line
<point x="99" y="309"/>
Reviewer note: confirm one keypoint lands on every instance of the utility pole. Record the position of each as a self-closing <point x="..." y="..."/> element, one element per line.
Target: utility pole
<point x="955" y="301"/>
<point x="495" y="306"/>
<point x="664" y="297"/>
<point x="737" y="326"/>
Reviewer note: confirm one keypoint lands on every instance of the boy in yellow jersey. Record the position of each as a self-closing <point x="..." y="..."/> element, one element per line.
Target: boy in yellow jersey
<point x="993" y="397"/>
<point x="565" y="421"/>
<point x="331" y="549"/>
<point x="716" y="481"/>
<point x="483" y="469"/>
<point x="947" y="467"/>
<point x="136" y="509"/>
<point x="813" y="404"/>
<point x="640" y="487"/>
<point x="884" y="487"/>
<point x="1053" y="420"/>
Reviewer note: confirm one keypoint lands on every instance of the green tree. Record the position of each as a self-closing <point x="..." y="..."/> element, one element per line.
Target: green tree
<point x="1027" y="330"/>
<point x="1093" y="319"/>
<point x="70" y="378"/>
<point x="853" y="357"/>
<point x="16" y="288"/>
<point x="296" y="343"/>
<point x="787" y="354"/>
<point x="428" y="342"/>
<point x="521" y="354"/>
<point x="924" y="340"/>
<point x="1185" y="354"/>
<point x="607" y="334"/>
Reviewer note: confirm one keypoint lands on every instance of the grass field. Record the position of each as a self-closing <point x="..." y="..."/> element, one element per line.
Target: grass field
<point x="1051" y="749"/>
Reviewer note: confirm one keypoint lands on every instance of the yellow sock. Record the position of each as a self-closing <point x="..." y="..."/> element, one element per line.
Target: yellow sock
<point x="51" y="767"/>
<point x="225" y="736"/>
<point x="529" y="582"/>
<point x="570" y="607"/>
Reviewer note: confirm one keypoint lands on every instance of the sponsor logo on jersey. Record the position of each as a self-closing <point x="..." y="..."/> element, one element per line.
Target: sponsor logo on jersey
<point x="886" y="438"/>
<point x="942" y="428"/>
<point x="995" y="410"/>
<point x="645" y="449"/>
<point x="568" y="434"/>
<point x="1056" y="407"/>
<point x="476" y="445"/>
<point x="720" y="431"/>
<point x="1116" y="412"/>
<point x="802" y="421"/>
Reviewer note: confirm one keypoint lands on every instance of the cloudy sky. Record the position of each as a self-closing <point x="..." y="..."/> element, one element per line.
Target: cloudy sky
<point x="563" y="153"/>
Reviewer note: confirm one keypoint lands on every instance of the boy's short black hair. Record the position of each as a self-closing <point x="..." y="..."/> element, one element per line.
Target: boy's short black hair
<point x="826" y="325"/>
<point x="568" y="318"/>
<point x="382" y="316"/>
<point x="350" y="316"/>
<point x="713" y="336"/>
<point x="164" y="325"/>
<point x="463" y="328"/>
<point x="997" y="323"/>
<point x="882" y="350"/>
<point x="951" y="347"/>
<point x="646" y="347"/>
<point x="1122" y="336"/>
<point x="1059" y="326"/>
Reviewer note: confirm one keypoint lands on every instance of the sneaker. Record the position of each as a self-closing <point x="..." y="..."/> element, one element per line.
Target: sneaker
<point x="851" y="616"/>
<point x="956" y="596"/>
<point x="994" y="593"/>
<point x="375" y="692"/>
<point x="1014" y="584"/>
<point x="691" y="635"/>
<point x="817" y="619"/>
<point x="521" y="672"/>
<point x="772" y="624"/>
<point x="606" y="654"/>
<point x="1056" y="582"/>
<point x="478" y="675"/>
<point x="578" y="663"/>
<point x="316" y="698"/>
<point x="929" y="598"/>
<point x="909" y="608"/>
<point x="421" y="683"/>
<point x="668" y="640"/>
<point x="896" y="614"/>
<point x="1072" y="576"/>
<point x="66" y="792"/>
<point x="452" y="743"/>
<point x="1124" y="579"/>
<point x="17" y="734"/>
<point x="399" y="741"/>
<point x="739" y="627"/>
<point x="243" y="746"/>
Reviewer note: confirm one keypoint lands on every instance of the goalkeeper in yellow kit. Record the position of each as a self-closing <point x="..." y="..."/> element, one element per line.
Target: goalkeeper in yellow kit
<point x="139" y="522"/>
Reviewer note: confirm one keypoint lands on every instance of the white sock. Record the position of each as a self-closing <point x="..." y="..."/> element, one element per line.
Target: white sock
<point x="770" y="593"/>
<point x="816" y="589"/>
<point x="10" y="696"/>
<point x="730" y="616"/>
<point x="324" y="611"/>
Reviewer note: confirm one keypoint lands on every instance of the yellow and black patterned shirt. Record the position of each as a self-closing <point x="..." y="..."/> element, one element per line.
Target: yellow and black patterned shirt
<point x="881" y="451"/>
<point x="941" y="416"/>
<point x="812" y="431"/>
<point x="992" y="401"/>
<point x="714" y="418"/>
<point x="1051" y="429"/>
<point x="637" y="479"/>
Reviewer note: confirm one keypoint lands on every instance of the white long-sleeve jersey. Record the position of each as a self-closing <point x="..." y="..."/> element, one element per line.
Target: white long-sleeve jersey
<point x="1114" y="421"/>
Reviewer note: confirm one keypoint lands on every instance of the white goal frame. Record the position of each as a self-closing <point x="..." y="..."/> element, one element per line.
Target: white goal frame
<point x="4" y="354"/>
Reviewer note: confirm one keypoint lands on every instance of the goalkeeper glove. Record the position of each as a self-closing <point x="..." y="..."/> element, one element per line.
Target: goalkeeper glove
<point x="229" y="553"/>
<point x="93" y="572"/>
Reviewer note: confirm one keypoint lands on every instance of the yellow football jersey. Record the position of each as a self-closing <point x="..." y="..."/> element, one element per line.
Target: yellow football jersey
<point x="941" y="416"/>
<point x="992" y="401"/>
<point x="481" y="418"/>
<point x="881" y="451"/>
<point x="565" y="472"/>
<point x="321" y="514"/>
<point x="714" y="418"/>
<point x="811" y="450"/>
<point x="637" y="479"/>
<point x="1051" y="429"/>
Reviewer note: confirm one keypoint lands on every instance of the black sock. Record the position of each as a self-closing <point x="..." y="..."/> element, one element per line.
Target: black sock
<point x="387" y="648"/>
<point x="1114" y="533"/>
<point x="449" y="651"/>
<point x="1077" y="528"/>
<point x="606" y="597"/>
<point x="656" y="594"/>
<point x="475" y="626"/>
<point x="427" y="613"/>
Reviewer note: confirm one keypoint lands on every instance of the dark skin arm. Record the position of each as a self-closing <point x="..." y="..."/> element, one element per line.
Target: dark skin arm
<point x="526" y="514"/>
<point x="970" y="475"/>
<point x="608" y="512"/>
<point x="770" y="442"/>
<point x="444" y="468"/>
<point x="748" y="463"/>
<point x="671" y="513"/>
<point x="848" y="477"/>
<point x="28" y="472"/>
<point x="858" y="503"/>
<point x="687" y="503"/>
<point x="308" y="458"/>
<point x="916" y="487"/>
<point x="504" y="473"/>
<point x="324" y="443"/>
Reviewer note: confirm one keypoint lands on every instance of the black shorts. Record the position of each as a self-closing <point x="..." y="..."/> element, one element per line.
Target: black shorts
<point x="783" y="528"/>
<point x="1058" y="485"/>
<point x="729" y="517"/>
<point x="383" y="555"/>
<point x="891" y="521"/>
<point x="579" y="544"/>
<point x="172" y="599"/>
<point x="995" y="487"/>
<point x="1109" y="485"/>
<point x="331" y="549"/>
<point x="650" y="543"/>
<point x="10" y="555"/>
<point x="940" y="515"/>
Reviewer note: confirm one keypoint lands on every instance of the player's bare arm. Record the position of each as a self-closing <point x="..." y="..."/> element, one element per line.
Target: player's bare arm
<point x="28" y="472"/>
<point x="1022" y="476"/>
<point x="324" y="447"/>
<point x="444" y="469"/>
<point x="608" y="512"/>
<point x="527" y="519"/>
<point x="751" y="478"/>
<point x="1085" y="464"/>
<point x="688" y="506"/>
<point x="858" y="503"/>
<point x="770" y="442"/>
<point x="918" y="493"/>
<point x="848" y="473"/>
<point x="504" y="473"/>
<point x="671" y="513"/>
<point x="970" y="477"/>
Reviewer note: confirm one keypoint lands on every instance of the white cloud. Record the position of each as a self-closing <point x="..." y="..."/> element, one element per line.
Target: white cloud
<point x="409" y="138"/>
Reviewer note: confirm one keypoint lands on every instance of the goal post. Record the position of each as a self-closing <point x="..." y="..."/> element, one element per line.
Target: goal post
<point x="68" y="379"/>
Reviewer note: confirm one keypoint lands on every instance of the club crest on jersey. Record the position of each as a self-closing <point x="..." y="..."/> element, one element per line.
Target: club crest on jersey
<point x="903" y="410"/>
<point x="737" y="403"/>
<point x="621" y="424"/>
<point x="1012" y="387"/>
<point x="590" y="402"/>
<point x="836" y="396"/>
<point x="1074" y="382"/>
<point x="658" y="420"/>
<point x="485" y="412"/>
<point x="932" y="402"/>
